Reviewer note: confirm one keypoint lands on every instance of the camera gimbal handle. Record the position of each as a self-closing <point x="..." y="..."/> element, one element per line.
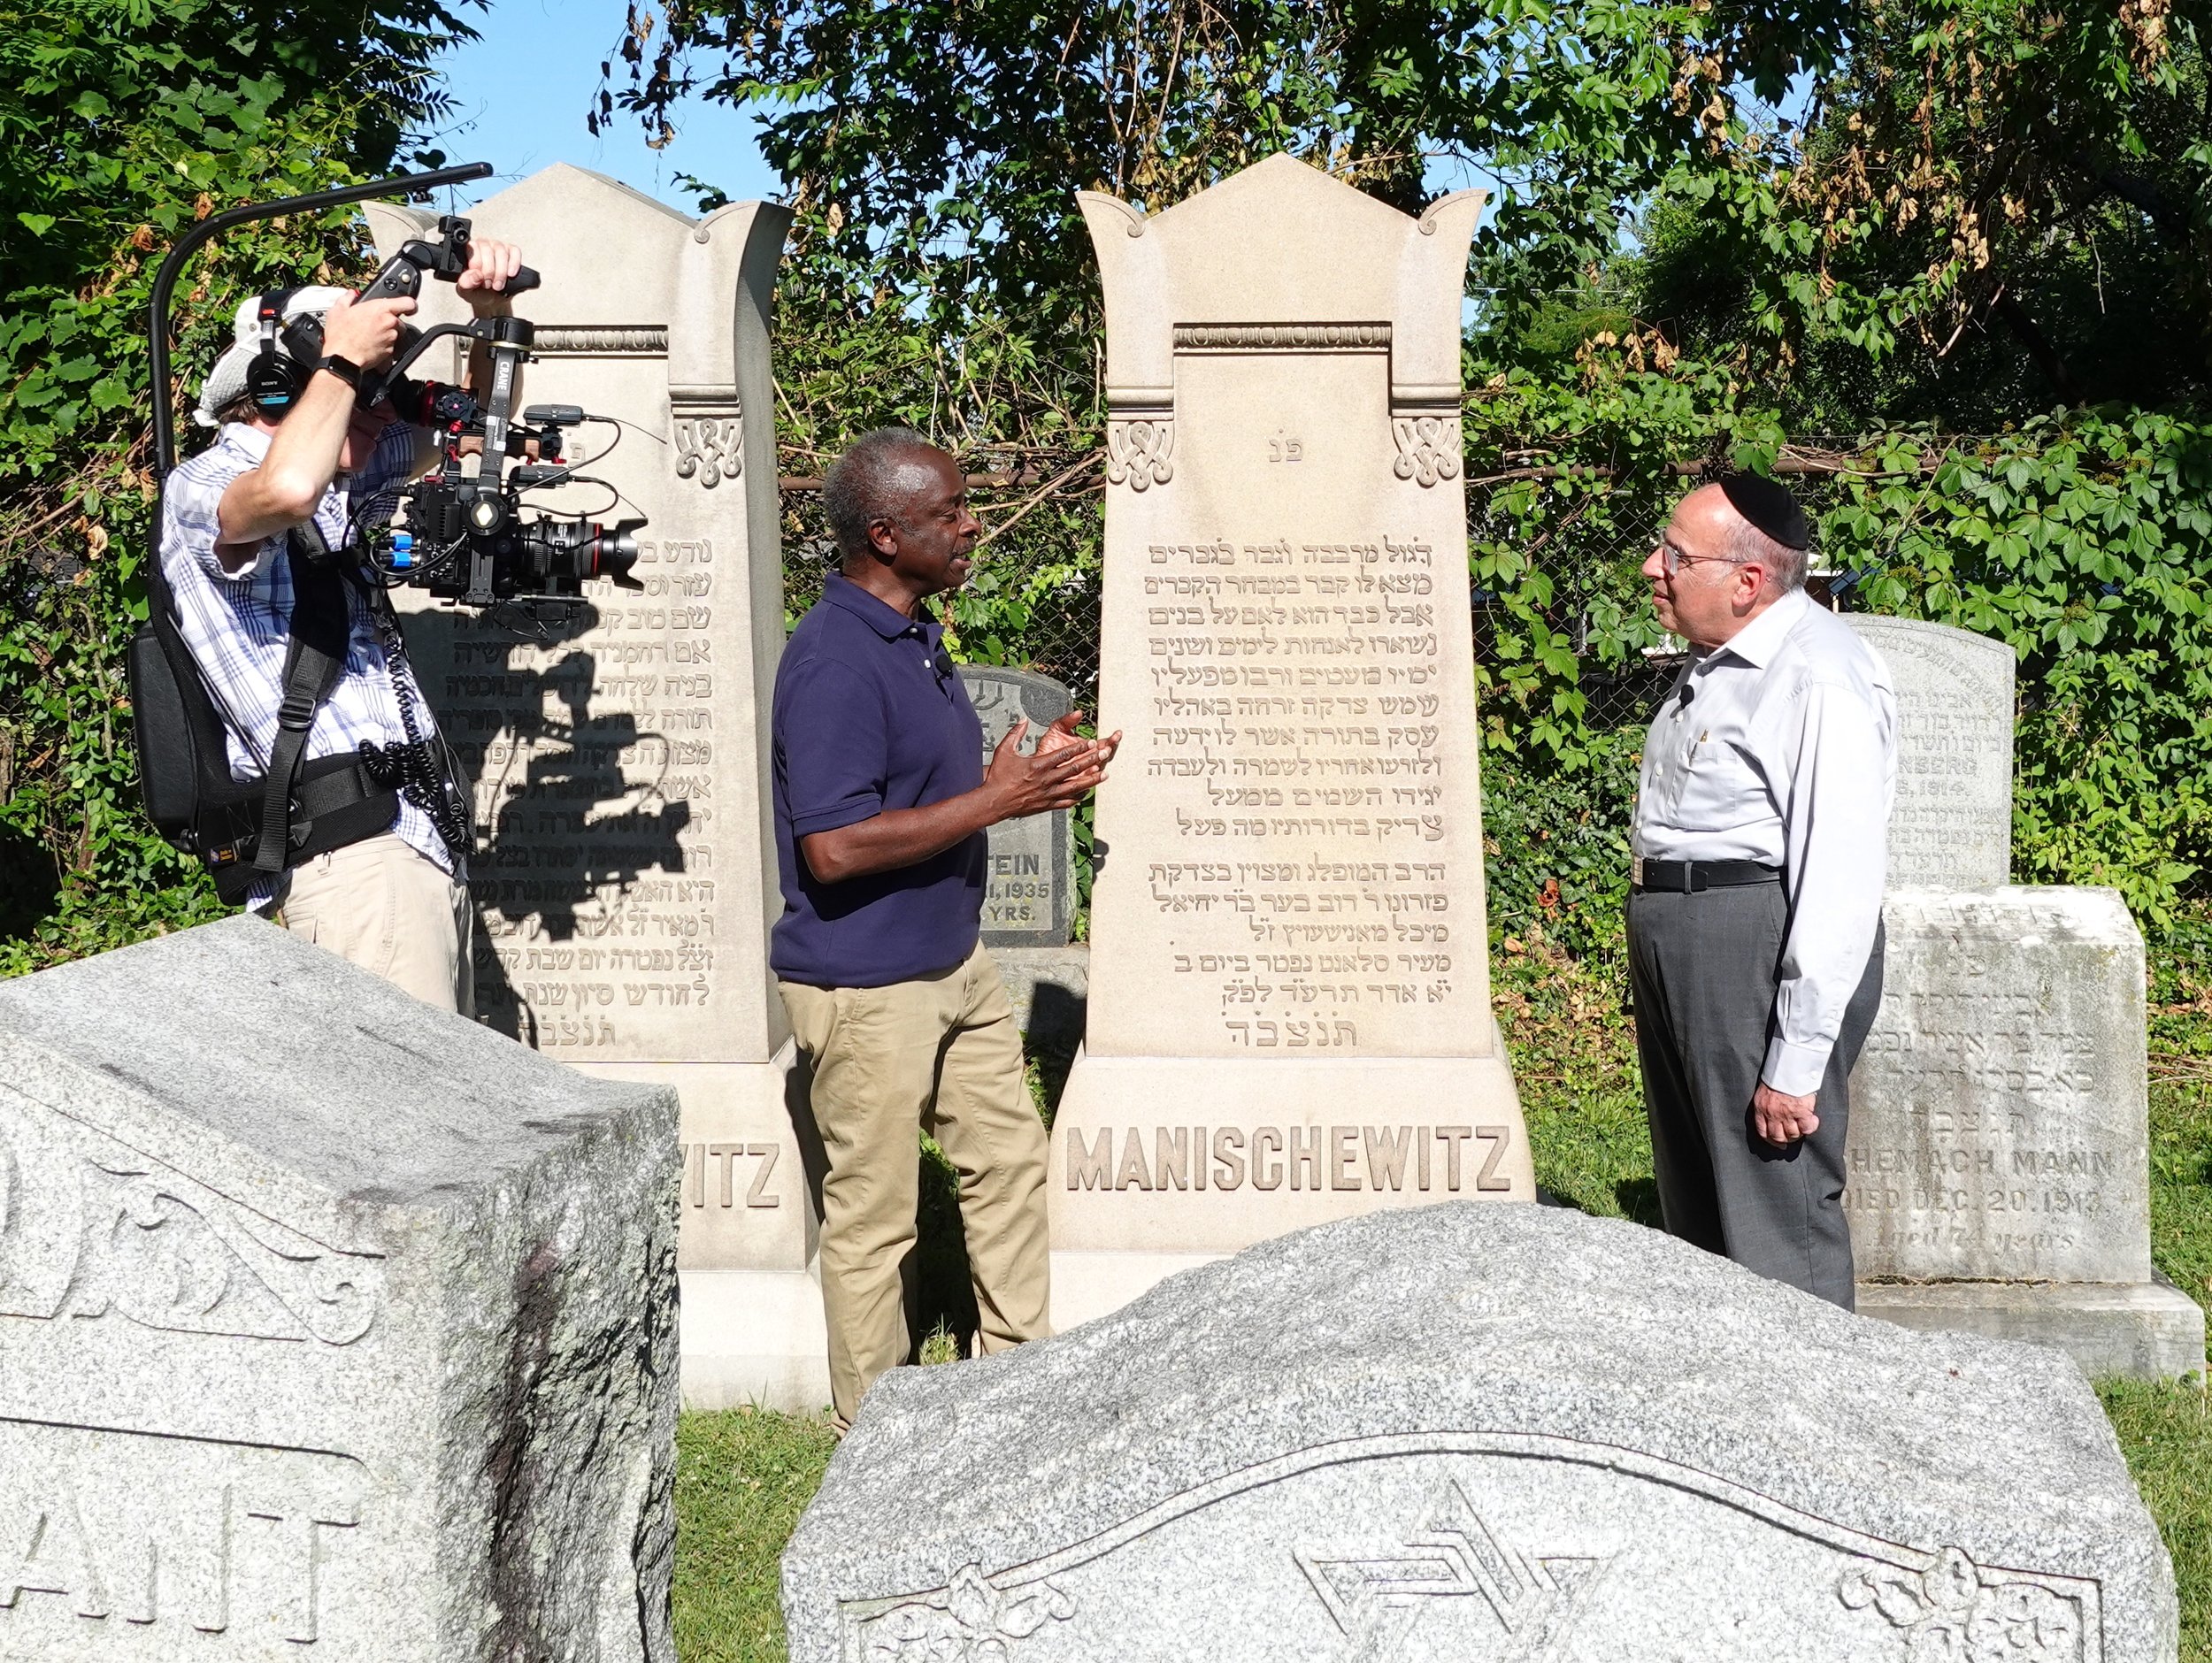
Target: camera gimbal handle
<point x="445" y="259"/>
<point x="165" y="437"/>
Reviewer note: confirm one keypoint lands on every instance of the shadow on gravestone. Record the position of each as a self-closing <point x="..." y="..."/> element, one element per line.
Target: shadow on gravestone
<point x="550" y="746"/>
<point x="660" y="322"/>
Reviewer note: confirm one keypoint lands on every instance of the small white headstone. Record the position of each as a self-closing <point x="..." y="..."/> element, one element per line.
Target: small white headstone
<point x="1998" y="1155"/>
<point x="1952" y="825"/>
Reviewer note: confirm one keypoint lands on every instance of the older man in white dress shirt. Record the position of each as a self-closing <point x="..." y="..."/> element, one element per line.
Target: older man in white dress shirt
<point x="1754" y="919"/>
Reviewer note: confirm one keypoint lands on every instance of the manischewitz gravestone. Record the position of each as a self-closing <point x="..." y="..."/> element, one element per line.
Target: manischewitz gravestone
<point x="1029" y="889"/>
<point x="627" y="884"/>
<point x="1476" y="1432"/>
<point x="331" y="1326"/>
<point x="1289" y="1014"/>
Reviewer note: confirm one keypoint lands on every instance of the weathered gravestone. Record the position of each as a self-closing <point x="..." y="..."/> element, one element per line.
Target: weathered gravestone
<point x="1952" y="825"/>
<point x="1471" y="1432"/>
<point x="1999" y="1164"/>
<point x="628" y="881"/>
<point x="1030" y="887"/>
<point x="1289" y="1015"/>
<point x="1998" y="1161"/>
<point x="331" y="1326"/>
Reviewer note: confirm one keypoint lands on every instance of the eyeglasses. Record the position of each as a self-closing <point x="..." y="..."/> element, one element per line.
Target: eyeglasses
<point x="1672" y="559"/>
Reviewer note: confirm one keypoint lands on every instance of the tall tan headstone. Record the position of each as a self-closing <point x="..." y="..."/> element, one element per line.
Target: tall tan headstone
<point x="1289" y="1015"/>
<point x="628" y="882"/>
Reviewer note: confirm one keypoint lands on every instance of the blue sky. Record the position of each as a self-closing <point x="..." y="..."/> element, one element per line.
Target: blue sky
<point x="524" y="89"/>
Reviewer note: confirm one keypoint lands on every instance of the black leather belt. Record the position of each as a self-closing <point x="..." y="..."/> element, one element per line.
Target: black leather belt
<point x="1687" y="878"/>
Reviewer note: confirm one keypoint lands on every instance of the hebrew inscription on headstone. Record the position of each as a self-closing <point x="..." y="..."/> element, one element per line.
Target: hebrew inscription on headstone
<point x="1951" y="827"/>
<point x="1289" y="1013"/>
<point x="626" y="881"/>
<point x="1998" y="1173"/>
<point x="1434" y="1435"/>
<point x="331" y="1325"/>
<point x="1998" y="1114"/>
<point x="1030" y="887"/>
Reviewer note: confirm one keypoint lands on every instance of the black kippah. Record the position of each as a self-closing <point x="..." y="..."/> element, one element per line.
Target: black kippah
<point x="1770" y="507"/>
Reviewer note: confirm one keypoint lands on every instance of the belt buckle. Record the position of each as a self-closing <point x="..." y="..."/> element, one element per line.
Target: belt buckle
<point x="1636" y="870"/>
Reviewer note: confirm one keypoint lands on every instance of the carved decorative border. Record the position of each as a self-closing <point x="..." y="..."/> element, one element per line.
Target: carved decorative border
<point x="1140" y="454"/>
<point x="709" y="447"/>
<point x="91" y="1228"/>
<point x="1428" y="448"/>
<point x="1861" y="1585"/>
<point x="1345" y="337"/>
<point x="600" y="340"/>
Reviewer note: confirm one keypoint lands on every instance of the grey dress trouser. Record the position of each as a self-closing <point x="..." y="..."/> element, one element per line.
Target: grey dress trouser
<point x="1704" y="969"/>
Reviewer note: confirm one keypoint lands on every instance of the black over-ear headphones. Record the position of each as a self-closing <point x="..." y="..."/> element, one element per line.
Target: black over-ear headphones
<point x="274" y="378"/>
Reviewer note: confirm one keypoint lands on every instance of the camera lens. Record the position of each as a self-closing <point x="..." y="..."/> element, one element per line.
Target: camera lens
<point x="616" y="553"/>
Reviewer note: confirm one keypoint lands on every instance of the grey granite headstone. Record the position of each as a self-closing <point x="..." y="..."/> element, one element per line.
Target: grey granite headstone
<point x="1998" y="1130"/>
<point x="1952" y="825"/>
<point x="1481" y="1432"/>
<point x="331" y="1326"/>
<point x="1030" y="889"/>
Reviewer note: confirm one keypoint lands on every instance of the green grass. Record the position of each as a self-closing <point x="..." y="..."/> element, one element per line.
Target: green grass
<point x="742" y="1477"/>
<point x="2166" y="1432"/>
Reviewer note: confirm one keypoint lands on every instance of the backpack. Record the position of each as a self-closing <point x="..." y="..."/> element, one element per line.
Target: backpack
<point x="243" y="830"/>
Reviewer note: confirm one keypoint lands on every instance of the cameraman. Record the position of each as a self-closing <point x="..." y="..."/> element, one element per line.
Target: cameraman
<point x="301" y="456"/>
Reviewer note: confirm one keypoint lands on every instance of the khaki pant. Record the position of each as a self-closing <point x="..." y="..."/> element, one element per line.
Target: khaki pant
<point x="388" y="909"/>
<point x="940" y="1055"/>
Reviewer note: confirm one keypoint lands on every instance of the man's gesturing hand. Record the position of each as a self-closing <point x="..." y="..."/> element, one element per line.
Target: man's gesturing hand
<point x="1062" y="734"/>
<point x="1063" y="771"/>
<point x="1780" y="1118"/>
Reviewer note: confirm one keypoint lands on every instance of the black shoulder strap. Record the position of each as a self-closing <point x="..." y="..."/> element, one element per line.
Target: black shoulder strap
<point x="312" y="665"/>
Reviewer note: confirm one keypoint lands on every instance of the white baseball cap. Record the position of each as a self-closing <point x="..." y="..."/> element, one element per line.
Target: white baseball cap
<point x="227" y="381"/>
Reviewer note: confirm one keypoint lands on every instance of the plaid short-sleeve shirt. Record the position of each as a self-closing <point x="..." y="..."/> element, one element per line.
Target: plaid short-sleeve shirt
<point x="238" y="623"/>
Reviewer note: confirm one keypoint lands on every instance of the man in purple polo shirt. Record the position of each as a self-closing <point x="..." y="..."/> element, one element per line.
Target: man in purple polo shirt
<point x="881" y="803"/>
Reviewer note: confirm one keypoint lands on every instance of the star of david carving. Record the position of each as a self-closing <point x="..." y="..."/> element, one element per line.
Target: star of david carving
<point x="1377" y="1592"/>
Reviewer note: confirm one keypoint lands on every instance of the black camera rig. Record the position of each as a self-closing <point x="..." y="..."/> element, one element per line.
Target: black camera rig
<point x="468" y="537"/>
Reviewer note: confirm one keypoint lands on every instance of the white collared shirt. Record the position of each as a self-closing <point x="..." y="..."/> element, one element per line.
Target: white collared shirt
<point x="238" y="623"/>
<point x="1781" y="747"/>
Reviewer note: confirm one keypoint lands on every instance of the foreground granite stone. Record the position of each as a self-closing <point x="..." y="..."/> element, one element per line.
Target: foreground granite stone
<point x="1477" y="1432"/>
<point x="331" y="1326"/>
